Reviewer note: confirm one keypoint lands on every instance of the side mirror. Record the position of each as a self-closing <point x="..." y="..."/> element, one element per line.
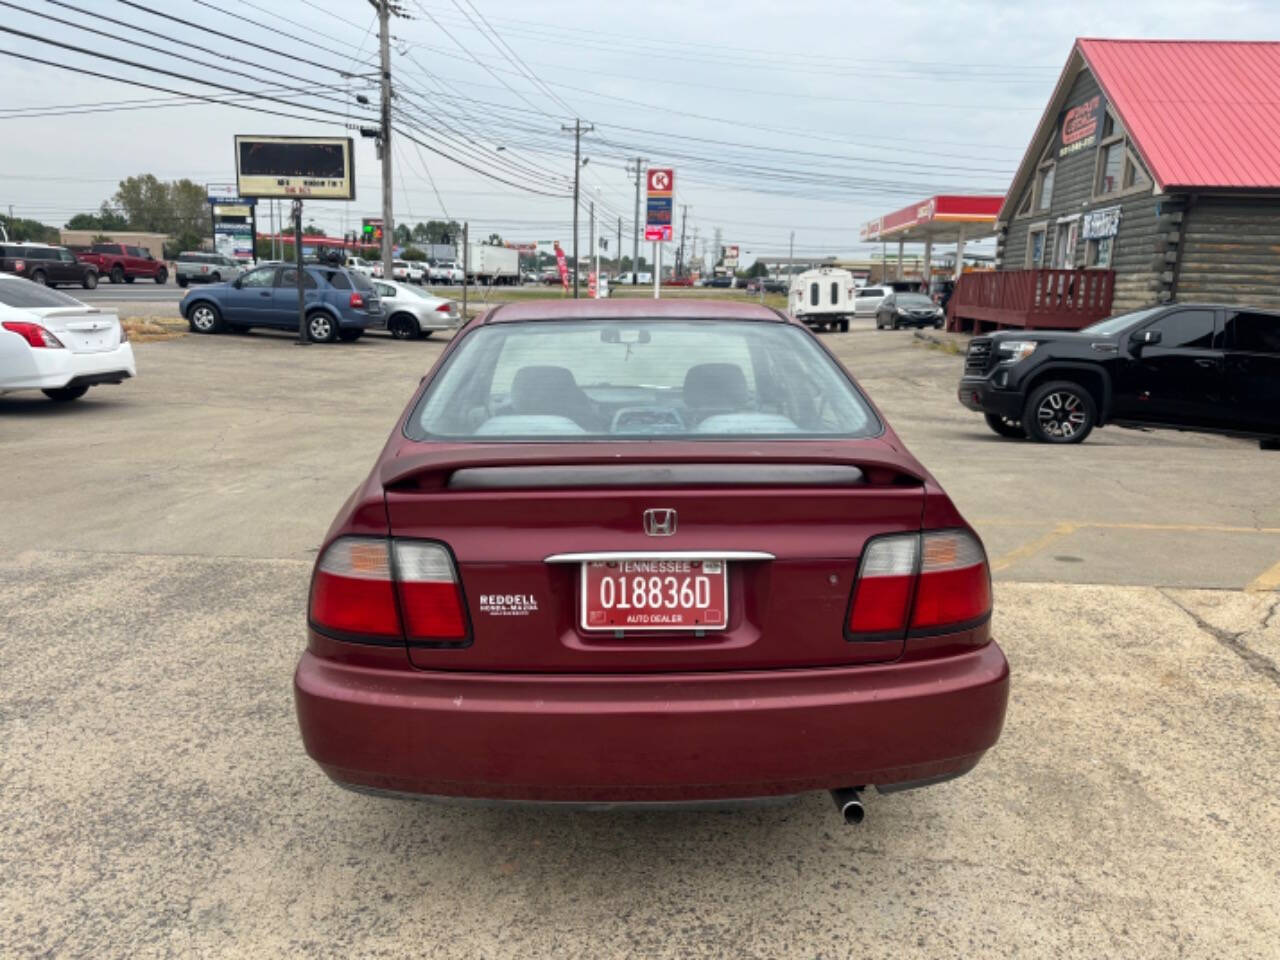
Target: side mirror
<point x="1144" y="338"/>
<point x="236" y="283"/>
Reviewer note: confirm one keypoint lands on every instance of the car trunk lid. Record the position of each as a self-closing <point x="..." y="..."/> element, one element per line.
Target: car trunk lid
<point x="81" y="329"/>
<point x="788" y="521"/>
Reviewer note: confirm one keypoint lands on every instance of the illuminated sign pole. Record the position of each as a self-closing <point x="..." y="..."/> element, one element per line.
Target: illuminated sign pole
<point x="661" y="182"/>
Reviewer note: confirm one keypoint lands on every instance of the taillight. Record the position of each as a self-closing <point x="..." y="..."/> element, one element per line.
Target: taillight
<point x="429" y="592"/>
<point x="33" y="333"/>
<point x="371" y="589"/>
<point x="124" y="333"/>
<point x="445" y="308"/>
<point x="922" y="583"/>
<point x="352" y="591"/>
<point x="357" y="300"/>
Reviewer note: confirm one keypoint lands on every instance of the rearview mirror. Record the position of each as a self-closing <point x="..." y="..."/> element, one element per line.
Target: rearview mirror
<point x="1145" y="338"/>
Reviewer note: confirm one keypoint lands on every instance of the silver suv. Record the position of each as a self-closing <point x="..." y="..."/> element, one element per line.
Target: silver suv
<point x="197" y="267"/>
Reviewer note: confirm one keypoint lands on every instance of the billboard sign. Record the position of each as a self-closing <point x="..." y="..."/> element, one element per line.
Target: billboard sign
<point x="233" y="240"/>
<point x="296" y="168"/>
<point x="660" y="202"/>
<point x="1079" y="125"/>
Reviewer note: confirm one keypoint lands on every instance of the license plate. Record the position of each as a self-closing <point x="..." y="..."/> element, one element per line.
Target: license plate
<point x="655" y="595"/>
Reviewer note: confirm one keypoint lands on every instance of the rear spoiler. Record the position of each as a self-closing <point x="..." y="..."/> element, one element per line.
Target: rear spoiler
<point x="525" y="465"/>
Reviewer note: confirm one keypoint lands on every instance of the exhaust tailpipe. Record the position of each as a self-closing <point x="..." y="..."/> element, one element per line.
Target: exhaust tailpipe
<point x="848" y="801"/>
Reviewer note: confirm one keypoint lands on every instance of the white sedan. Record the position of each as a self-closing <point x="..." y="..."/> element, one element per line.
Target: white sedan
<point x="54" y="343"/>
<point x="411" y="313"/>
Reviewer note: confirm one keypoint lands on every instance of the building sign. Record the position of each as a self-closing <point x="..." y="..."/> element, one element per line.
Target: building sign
<point x="1079" y="127"/>
<point x="233" y="240"/>
<point x="660" y="201"/>
<point x="299" y="168"/>
<point x="731" y="255"/>
<point x="1097" y="224"/>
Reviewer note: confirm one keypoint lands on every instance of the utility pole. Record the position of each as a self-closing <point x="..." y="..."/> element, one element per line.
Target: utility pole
<point x="591" y="243"/>
<point x="638" y="170"/>
<point x="618" y="250"/>
<point x="684" y="225"/>
<point x="384" y="139"/>
<point x="578" y="130"/>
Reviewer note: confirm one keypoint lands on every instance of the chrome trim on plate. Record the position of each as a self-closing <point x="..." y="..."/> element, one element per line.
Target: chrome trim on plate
<point x="612" y="555"/>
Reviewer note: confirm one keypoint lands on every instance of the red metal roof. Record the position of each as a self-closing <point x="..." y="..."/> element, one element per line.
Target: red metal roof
<point x="1201" y="113"/>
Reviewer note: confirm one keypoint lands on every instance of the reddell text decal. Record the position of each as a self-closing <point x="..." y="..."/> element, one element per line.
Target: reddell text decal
<point x="508" y="604"/>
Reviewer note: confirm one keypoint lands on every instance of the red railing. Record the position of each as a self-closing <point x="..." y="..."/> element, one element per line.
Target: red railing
<point x="1032" y="299"/>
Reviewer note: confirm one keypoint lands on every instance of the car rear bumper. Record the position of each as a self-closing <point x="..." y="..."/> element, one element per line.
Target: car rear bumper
<point x="50" y="369"/>
<point x="650" y="738"/>
<point x="978" y="393"/>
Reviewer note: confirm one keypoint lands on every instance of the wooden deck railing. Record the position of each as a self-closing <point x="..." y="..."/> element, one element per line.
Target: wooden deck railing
<point x="1032" y="299"/>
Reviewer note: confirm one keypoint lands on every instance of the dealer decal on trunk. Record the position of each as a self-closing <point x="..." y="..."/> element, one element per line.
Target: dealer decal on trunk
<point x="508" y="604"/>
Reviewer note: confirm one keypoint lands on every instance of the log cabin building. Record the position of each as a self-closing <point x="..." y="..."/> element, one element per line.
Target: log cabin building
<point x="1153" y="176"/>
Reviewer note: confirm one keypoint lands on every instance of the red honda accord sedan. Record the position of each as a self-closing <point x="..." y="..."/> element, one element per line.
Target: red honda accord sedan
<point x="637" y="551"/>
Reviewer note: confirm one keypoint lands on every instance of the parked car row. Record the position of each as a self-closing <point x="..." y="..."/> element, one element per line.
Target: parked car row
<point x="339" y="304"/>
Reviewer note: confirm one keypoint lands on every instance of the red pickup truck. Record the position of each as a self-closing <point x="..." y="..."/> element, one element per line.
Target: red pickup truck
<point x="121" y="262"/>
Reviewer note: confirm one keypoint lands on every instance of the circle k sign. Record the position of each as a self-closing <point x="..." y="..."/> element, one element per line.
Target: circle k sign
<point x="662" y="180"/>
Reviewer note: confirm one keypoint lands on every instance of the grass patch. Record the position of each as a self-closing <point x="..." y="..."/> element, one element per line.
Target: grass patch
<point x="148" y="329"/>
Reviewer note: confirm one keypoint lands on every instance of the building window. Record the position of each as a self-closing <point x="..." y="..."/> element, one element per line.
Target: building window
<point x="1044" y="187"/>
<point x="1118" y="168"/>
<point x="1099" y="252"/>
<point x="1064" y="244"/>
<point x="1035" y="245"/>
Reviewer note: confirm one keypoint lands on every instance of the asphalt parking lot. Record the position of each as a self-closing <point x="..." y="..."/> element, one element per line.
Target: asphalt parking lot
<point x="155" y="799"/>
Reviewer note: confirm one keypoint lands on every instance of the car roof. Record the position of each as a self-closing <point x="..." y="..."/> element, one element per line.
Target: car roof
<point x="629" y="308"/>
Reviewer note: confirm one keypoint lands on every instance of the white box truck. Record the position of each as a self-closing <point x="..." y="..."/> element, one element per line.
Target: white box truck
<point x="492" y="265"/>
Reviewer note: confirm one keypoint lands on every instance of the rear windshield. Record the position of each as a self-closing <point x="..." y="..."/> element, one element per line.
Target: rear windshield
<point x="640" y="379"/>
<point x="25" y="294"/>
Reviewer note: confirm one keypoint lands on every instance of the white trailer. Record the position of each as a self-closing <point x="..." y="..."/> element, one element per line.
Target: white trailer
<point x="823" y="298"/>
<point x="497" y="265"/>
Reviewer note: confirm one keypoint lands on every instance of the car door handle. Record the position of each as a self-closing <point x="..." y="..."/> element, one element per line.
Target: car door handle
<point x="1206" y="362"/>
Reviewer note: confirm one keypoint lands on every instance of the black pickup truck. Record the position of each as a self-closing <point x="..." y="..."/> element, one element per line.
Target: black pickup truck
<point x="1186" y="366"/>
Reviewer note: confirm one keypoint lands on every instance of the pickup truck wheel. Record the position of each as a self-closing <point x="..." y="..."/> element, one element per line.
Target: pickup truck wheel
<point x="162" y="276"/>
<point x="182" y="281"/>
<point x="90" y="279"/>
<point x="205" y="318"/>
<point x="65" y="394"/>
<point x="321" y="328"/>
<point x="402" y="327"/>
<point x="1059" y="412"/>
<point x="117" y="274"/>
<point x="129" y="279"/>
<point x="1012" y="429"/>
<point x="40" y="278"/>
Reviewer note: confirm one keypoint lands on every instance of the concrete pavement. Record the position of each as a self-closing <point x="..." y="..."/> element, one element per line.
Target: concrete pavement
<point x="155" y="799"/>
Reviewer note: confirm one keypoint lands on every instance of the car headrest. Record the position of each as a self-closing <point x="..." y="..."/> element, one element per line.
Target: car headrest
<point x="535" y="385"/>
<point x="715" y="385"/>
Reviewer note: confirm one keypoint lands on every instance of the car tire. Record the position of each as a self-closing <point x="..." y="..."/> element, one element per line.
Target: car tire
<point x="65" y="394"/>
<point x="1003" y="426"/>
<point x="129" y="279"/>
<point x="162" y="277"/>
<point x="844" y="325"/>
<point x="89" y="280"/>
<point x="117" y="274"/>
<point x="39" y="276"/>
<point x="182" y="281"/>
<point x="204" y="317"/>
<point x="321" y="328"/>
<point x="350" y="336"/>
<point x="1269" y="443"/>
<point x="1059" y="412"/>
<point x="215" y="277"/>
<point x="403" y="327"/>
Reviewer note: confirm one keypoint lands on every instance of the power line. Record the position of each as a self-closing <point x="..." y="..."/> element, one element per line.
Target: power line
<point x="512" y="57"/>
<point x="474" y="169"/>
<point x="232" y="37"/>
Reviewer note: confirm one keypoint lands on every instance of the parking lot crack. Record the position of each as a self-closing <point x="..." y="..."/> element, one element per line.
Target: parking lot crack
<point x="1254" y="660"/>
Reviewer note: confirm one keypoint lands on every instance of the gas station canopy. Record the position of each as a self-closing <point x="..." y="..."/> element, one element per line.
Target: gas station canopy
<point x="940" y="219"/>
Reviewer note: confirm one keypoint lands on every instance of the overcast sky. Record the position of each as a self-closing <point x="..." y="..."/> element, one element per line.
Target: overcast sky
<point x="880" y="105"/>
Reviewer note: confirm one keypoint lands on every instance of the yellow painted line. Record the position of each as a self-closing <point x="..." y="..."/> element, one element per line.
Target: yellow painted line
<point x="1265" y="581"/>
<point x="1032" y="548"/>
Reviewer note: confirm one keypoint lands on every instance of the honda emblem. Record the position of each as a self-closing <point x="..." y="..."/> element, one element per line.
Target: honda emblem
<point x="660" y="522"/>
